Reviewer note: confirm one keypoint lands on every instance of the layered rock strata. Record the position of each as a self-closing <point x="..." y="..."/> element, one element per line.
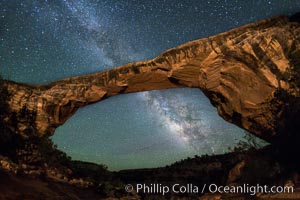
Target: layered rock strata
<point x="250" y="74"/>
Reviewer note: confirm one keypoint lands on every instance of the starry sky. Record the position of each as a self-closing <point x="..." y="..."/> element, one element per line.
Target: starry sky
<point x="45" y="40"/>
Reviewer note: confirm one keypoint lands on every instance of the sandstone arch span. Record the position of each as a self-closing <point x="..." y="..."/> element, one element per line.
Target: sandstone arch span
<point x="250" y="74"/>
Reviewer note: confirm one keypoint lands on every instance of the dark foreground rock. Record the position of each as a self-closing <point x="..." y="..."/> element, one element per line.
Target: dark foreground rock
<point x="81" y="180"/>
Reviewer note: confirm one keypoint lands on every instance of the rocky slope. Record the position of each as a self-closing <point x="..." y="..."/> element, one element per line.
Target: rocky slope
<point x="250" y="74"/>
<point x="266" y="166"/>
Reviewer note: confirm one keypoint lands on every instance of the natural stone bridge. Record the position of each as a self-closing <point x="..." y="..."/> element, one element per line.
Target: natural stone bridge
<point x="250" y="74"/>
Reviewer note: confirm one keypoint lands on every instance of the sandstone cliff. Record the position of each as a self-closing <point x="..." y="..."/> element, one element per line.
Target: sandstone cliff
<point x="250" y="74"/>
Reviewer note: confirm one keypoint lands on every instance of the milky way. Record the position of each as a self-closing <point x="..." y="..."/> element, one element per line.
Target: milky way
<point x="43" y="41"/>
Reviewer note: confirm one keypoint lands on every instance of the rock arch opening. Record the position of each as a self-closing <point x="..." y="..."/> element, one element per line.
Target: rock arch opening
<point x="147" y="130"/>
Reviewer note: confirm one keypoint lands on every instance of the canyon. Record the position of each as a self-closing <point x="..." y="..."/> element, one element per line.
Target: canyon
<point x="251" y="74"/>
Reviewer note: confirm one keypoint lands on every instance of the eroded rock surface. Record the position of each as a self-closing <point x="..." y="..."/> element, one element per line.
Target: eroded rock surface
<point x="250" y="74"/>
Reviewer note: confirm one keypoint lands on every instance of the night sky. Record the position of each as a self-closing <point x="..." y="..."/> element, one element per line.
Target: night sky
<point x="43" y="41"/>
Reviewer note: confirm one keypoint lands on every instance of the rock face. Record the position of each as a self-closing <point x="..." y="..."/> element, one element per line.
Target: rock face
<point x="250" y="74"/>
